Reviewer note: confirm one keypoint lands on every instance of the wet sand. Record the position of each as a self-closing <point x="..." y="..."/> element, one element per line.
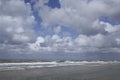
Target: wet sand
<point x="78" y="72"/>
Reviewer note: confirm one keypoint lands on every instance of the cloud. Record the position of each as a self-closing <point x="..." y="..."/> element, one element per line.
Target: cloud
<point x="57" y="29"/>
<point x="16" y="26"/>
<point x="16" y="22"/>
<point x="82" y="44"/>
<point x="80" y="14"/>
<point x="93" y="35"/>
<point x="83" y="16"/>
<point x="111" y="28"/>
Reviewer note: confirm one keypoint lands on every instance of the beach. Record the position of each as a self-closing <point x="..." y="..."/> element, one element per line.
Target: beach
<point x="110" y="71"/>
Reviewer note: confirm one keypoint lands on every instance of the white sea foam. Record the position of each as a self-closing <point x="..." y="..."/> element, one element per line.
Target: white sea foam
<point x="24" y="65"/>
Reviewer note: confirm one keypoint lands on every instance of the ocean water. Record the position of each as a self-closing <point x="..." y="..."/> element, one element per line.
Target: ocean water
<point x="61" y="70"/>
<point x="27" y="65"/>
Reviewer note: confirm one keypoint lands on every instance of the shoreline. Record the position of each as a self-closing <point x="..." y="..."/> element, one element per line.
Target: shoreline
<point x="30" y="65"/>
<point x="71" y="72"/>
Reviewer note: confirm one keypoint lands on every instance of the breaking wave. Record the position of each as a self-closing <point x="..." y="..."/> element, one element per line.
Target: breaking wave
<point x="27" y="65"/>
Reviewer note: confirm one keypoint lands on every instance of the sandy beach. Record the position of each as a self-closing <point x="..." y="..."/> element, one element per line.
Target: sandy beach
<point x="71" y="72"/>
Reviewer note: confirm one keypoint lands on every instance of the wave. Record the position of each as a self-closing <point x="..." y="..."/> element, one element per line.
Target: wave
<point x="26" y="65"/>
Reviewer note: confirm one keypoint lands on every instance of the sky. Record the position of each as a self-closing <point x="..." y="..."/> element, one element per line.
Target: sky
<point x="60" y="29"/>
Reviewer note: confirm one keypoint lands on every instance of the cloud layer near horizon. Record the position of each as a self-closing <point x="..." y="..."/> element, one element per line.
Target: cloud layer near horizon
<point x="17" y="33"/>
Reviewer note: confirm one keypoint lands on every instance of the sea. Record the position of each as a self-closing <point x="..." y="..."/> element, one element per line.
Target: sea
<point x="17" y="65"/>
